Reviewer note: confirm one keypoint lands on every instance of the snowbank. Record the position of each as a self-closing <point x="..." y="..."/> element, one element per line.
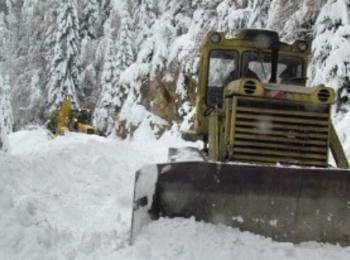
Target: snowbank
<point x="70" y="198"/>
<point x="185" y="239"/>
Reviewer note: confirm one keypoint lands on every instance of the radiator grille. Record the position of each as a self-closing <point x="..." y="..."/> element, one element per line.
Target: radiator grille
<point x="283" y="132"/>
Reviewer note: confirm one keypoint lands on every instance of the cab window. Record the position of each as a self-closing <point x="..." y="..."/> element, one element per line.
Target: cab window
<point x="290" y="70"/>
<point x="222" y="69"/>
<point x="258" y="65"/>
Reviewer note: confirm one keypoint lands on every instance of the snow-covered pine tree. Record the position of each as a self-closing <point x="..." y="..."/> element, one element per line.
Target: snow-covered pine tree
<point x="4" y="146"/>
<point x="9" y="35"/>
<point x="182" y="14"/>
<point x="31" y="55"/>
<point x="109" y="30"/>
<point x="49" y="37"/>
<point x="238" y="17"/>
<point x="89" y="31"/>
<point x="125" y="54"/>
<point x="13" y="19"/>
<point x="3" y="131"/>
<point x="3" y="7"/>
<point x="6" y="105"/>
<point x="223" y="11"/>
<point x="34" y="110"/>
<point x="331" y="51"/>
<point x="293" y="19"/>
<point x="144" y="17"/>
<point x="259" y="13"/>
<point x="279" y="13"/>
<point x="203" y="21"/>
<point x="89" y="19"/>
<point x="106" y="108"/>
<point x="299" y="25"/>
<point x="105" y="8"/>
<point x="65" y="65"/>
<point x="154" y="50"/>
<point x="5" y="35"/>
<point x="235" y="15"/>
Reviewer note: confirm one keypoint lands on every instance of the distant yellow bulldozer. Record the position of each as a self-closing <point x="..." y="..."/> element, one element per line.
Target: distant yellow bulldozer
<point x="74" y="120"/>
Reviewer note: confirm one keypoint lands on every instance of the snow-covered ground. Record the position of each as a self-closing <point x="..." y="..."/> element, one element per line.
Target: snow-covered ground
<point x="70" y="198"/>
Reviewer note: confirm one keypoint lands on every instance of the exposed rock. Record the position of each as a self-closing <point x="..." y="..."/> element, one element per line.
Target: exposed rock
<point x="160" y="98"/>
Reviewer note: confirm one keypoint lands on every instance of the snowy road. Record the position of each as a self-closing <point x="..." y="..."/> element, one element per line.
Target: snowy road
<point x="70" y="198"/>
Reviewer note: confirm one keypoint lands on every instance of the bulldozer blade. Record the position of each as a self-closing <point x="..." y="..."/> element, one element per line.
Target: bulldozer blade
<point x="286" y="204"/>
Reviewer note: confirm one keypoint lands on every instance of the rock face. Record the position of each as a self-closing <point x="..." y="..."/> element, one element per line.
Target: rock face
<point x="159" y="96"/>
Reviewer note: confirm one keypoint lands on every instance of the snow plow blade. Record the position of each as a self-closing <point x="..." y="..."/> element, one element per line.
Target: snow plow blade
<point x="286" y="204"/>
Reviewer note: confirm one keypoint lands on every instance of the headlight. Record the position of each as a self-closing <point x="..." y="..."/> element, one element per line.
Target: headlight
<point x="302" y="46"/>
<point x="263" y="41"/>
<point x="215" y="37"/>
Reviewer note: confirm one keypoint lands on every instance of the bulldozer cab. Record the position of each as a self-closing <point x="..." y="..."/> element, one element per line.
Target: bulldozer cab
<point x="231" y="64"/>
<point x="84" y="116"/>
<point x="255" y="54"/>
<point x="82" y="121"/>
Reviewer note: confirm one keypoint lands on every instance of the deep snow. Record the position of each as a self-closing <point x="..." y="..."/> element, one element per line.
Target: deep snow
<point x="70" y="198"/>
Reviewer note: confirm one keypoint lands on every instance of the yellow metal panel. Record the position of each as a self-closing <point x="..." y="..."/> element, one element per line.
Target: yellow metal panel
<point x="214" y="136"/>
<point x="232" y="127"/>
<point x="63" y="117"/>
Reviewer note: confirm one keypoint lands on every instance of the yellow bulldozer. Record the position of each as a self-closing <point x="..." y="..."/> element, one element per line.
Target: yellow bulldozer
<point x="74" y="120"/>
<point x="268" y="140"/>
